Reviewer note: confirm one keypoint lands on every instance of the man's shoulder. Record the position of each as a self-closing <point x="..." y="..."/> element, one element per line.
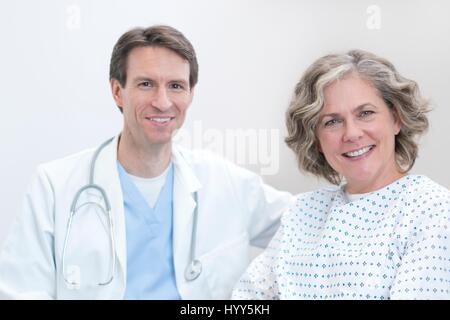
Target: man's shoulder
<point x="204" y="158"/>
<point x="197" y="155"/>
<point x="67" y="163"/>
<point x="209" y="165"/>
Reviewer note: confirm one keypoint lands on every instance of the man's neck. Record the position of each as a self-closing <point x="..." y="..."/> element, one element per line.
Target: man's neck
<point x="146" y="161"/>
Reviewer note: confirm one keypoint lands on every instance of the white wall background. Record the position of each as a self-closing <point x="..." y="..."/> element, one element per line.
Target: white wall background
<point x="54" y="61"/>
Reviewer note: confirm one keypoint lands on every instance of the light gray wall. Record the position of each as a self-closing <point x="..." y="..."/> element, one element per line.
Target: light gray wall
<point x="55" y="95"/>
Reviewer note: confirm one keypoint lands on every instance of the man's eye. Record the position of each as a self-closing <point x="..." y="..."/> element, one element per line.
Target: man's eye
<point x="177" y="86"/>
<point x="145" y="84"/>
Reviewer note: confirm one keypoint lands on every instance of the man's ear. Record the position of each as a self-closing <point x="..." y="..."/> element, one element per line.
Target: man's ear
<point x="116" y="90"/>
<point x="191" y="95"/>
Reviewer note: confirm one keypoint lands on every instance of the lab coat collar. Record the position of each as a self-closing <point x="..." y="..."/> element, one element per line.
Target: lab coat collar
<point x="184" y="170"/>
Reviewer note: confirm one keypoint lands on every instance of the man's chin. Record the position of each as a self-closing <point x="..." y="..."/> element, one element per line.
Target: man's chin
<point x="159" y="139"/>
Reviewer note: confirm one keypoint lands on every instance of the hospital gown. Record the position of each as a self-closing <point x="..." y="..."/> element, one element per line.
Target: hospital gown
<point x="393" y="243"/>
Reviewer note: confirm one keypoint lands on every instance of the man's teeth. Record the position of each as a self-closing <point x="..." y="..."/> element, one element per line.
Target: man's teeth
<point x="359" y="152"/>
<point x="160" y="120"/>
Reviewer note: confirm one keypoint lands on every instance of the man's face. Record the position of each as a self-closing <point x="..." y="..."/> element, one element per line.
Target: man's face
<point x="156" y="94"/>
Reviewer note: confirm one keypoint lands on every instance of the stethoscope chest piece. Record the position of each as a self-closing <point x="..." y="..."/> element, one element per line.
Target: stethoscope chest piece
<point x="193" y="270"/>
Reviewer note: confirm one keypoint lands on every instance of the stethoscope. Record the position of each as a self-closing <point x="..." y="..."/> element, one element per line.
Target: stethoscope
<point x="194" y="267"/>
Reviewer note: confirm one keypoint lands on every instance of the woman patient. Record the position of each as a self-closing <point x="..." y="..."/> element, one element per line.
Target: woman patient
<point x="381" y="233"/>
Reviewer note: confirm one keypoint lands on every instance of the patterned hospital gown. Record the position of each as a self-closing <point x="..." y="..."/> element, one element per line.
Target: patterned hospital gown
<point x="393" y="243"/>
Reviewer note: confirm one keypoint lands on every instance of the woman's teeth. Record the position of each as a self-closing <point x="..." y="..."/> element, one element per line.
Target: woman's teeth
<point x="359" y="152"/>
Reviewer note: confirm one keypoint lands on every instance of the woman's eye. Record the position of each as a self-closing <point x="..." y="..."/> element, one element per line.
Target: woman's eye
<point x="331" y="122"/>
<point x="366" y="113"/>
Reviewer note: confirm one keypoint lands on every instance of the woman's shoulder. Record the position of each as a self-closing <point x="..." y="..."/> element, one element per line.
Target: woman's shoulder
<point x="321" y="195"/>
<point x="424" y="187"/>
<point x="424" y="197"/>
<point x="318" y="199"/>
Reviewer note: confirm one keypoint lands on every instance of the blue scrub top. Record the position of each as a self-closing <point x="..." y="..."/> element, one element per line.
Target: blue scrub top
<point x="150" y="268"/>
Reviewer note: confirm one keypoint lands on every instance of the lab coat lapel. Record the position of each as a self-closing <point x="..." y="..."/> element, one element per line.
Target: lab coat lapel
<point x="185" y="185"/>
<point x="107" y="176"/>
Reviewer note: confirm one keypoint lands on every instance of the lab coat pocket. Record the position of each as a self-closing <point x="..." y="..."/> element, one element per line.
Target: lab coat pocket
<point x="225" y="264"/>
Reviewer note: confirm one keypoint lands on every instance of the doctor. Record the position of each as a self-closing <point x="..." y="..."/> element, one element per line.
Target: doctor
<point x="138" y="217"/>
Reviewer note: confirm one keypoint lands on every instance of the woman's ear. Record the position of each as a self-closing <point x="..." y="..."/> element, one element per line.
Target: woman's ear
<point x="397" y="122"/>
<point x="319" y="148"/>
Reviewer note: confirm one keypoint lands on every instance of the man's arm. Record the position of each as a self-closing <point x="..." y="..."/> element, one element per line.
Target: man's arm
<point x="27" y="266"/>
<point x="263" y="203"/>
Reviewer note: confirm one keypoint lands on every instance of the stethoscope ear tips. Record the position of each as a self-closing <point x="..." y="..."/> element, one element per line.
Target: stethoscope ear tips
<point x="193" y="270"/>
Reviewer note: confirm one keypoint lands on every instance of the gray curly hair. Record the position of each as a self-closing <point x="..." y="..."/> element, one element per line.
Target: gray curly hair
<point x="400" y="94"/>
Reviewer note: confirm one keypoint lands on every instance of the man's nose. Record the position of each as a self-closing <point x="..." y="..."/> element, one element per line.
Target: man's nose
<point x="352" y="132"/>
<point x="161" y="100"/>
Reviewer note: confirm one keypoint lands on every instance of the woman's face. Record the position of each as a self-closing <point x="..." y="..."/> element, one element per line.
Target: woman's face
<point x="356" y="132"/>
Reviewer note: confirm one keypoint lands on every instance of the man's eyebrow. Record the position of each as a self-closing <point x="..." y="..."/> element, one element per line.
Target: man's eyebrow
<point x="180" y="81"/>
<point x="139" y="79"/>
<point x="142" y="78"/>
<point x="145" y="78"/>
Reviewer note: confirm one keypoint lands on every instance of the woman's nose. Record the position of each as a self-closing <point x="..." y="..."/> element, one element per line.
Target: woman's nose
<point x="352" y="132"/>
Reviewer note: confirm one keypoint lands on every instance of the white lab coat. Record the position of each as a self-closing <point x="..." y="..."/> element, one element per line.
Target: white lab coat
<point x="235" y="210"/>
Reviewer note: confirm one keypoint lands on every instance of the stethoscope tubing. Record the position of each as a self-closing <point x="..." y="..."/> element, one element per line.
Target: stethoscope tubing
<point x="194" y="267"/>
